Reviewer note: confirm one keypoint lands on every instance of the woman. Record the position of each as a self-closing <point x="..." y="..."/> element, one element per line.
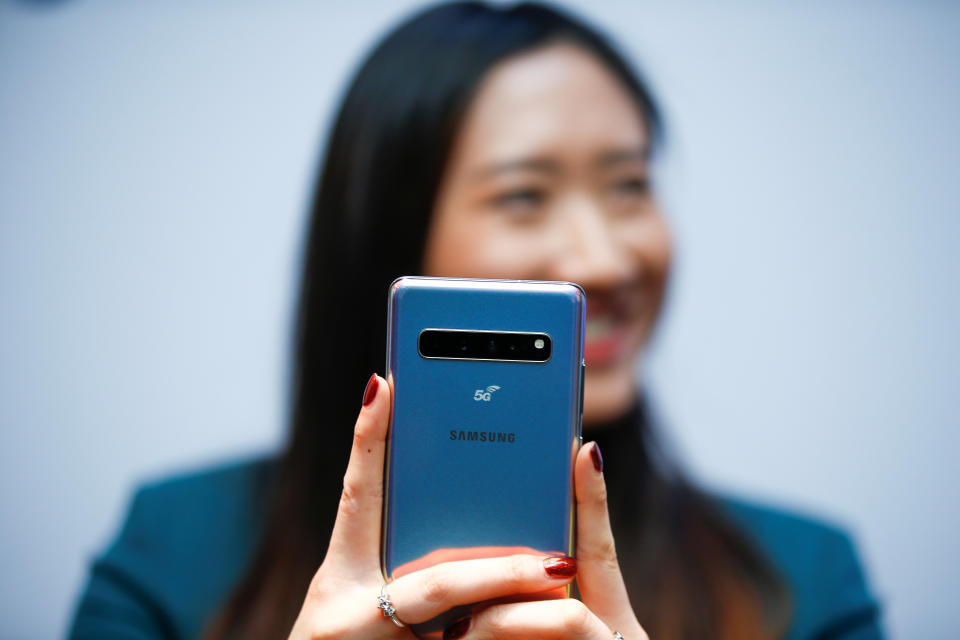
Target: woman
<point x="484" y="142"/>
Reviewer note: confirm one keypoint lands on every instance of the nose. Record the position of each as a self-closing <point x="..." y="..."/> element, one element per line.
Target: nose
<point x="590" y="253"/>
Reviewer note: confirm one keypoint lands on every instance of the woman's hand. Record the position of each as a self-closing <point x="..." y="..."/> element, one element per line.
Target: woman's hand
<point x="342" y="598"/>
<point x="604" y="607"/>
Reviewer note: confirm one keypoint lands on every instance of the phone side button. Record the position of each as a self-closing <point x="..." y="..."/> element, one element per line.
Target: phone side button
<point x="583" y="370"/>
<point x="583" y="374"/>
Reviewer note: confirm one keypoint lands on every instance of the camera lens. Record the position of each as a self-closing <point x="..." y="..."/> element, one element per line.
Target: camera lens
<point x="492" y="346"/>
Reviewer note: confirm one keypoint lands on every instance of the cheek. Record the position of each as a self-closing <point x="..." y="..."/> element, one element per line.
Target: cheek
<point x="649" y="245"/>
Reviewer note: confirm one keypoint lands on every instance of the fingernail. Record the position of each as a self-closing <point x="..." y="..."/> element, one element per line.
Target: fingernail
<point x="596" y="457"/>
<point x="371" y="391"/>
<point x="457" y="630"/>
<point x="561" y="567"/>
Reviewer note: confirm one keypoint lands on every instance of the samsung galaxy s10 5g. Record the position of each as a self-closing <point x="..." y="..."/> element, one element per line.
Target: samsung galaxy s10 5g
<point x="487" y="380"/>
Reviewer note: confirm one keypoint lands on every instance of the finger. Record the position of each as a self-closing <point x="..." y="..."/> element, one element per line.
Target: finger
<point x="600" y="581"/>
<point x="354" y="544"/>
<point x="543" y="619"/>
<point x="424" y="594"/>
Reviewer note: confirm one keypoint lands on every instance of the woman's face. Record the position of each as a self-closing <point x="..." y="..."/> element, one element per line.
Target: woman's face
<point x="549" y="180"/>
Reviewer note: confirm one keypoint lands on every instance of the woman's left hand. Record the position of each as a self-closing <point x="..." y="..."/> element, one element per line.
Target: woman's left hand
<point x="605" y="606"/>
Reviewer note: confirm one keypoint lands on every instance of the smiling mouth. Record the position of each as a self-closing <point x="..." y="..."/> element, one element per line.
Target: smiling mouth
<point x="608" y="339"/>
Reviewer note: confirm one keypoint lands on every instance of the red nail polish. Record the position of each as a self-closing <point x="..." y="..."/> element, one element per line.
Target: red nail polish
<point x="371" y="391"/>
<point x="457" y="630"/>
<point x="562" y="567"/>
<point x="596" y="457"/>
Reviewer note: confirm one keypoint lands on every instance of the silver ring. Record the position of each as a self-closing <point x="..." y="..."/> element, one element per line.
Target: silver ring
<point x="389" y="611"/>
<point x="617" y="636"/>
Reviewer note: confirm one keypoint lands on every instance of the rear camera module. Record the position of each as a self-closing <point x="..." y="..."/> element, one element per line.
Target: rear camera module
<point x="508" y="346"/>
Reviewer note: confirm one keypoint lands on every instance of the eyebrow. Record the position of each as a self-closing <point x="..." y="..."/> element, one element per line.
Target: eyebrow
<point x="544" y="165"/>
<point x="541" y="165"/>
<point x="621" y="156"/>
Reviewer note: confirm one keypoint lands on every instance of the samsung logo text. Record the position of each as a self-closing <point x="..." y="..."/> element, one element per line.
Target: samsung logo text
<point x="483" y="436"/>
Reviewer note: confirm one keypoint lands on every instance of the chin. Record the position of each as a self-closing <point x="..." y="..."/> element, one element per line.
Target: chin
<point x="608" y="393"/>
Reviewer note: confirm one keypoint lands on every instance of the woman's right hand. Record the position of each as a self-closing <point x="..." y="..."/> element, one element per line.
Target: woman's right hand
<point x="341" y="601"/>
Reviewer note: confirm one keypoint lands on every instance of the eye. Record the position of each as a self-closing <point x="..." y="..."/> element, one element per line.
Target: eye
<point x="629" y="195"/>
<point x="520" y="201"/>
<point x="632" y="186"/>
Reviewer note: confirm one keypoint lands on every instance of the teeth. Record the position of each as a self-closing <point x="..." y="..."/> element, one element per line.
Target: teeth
<point x="599" y="326"/>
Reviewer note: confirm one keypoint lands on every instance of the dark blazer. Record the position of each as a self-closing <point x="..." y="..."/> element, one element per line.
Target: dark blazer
<point x="187" y="539"/>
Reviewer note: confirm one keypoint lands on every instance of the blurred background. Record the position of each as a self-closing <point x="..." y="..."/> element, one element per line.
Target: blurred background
<point x="156" y="160"/>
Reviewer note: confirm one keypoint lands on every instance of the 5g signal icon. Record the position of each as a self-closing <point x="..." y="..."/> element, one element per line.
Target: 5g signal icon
<point x="484" y="394"/>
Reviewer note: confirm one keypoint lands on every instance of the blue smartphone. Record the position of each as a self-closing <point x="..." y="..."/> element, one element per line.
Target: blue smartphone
<point x="487" y="380"/>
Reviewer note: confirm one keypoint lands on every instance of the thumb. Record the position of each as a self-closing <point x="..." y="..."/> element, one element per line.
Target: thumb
<point x="599" y="578"/>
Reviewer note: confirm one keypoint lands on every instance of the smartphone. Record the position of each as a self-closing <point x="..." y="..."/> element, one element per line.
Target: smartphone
<point x="487" y="379"/>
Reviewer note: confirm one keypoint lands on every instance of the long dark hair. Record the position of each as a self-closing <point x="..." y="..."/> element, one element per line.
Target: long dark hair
<point x="384" y="161"/>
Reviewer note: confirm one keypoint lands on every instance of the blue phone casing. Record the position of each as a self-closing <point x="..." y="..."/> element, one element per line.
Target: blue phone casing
<point x="480" y="453"/>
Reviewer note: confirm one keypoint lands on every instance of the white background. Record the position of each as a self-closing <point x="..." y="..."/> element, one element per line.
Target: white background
<point x="155" y="164"/>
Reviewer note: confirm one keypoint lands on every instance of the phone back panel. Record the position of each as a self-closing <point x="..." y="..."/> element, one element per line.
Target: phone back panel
<point x="468" y="474"/>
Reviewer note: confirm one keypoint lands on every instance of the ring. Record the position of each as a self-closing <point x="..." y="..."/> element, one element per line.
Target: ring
<point x="617" y="636"/>
<point x="389" y="611"/>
